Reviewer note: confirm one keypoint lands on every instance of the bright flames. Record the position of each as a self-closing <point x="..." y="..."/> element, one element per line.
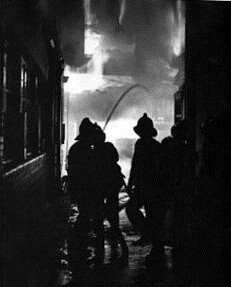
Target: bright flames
<point x="178" y="33"/>
<point x="93" y="79"/>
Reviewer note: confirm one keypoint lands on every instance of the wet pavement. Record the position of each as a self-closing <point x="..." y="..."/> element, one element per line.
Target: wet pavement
<point x="120" y="271"/>
<point x="71" y="267"/>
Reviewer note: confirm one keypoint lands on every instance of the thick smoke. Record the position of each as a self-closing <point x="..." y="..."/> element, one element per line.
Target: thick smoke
<point x="149" y="25"/>
<point x="137" y="41"/>
<point x="98" y="104"/>
<point x="146" y="40"/>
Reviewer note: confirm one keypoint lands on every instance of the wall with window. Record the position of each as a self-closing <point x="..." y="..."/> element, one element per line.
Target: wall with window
<point x="24" y="107"/>
<point x="30" y="97"/>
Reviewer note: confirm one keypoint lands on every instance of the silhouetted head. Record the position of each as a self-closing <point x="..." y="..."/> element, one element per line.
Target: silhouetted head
<point x="208" y="127"/>
<point x="98" y="134"/>
<point x="216" y="127"/>
<point x="145" y="127"/>
<point x="85" y="130"/>
<point x="181" y="130"/>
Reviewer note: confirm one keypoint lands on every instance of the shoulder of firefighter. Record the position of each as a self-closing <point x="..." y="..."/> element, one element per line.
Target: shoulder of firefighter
<point x="111" y="152"/>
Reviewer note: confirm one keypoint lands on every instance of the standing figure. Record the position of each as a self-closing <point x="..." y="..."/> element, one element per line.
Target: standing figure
<point x="79" y="168"/>
<point x="145" y="186"/>
<point x="108" y="181"/>
<point x="80" y="189"/>
<point x="179" y="161"/>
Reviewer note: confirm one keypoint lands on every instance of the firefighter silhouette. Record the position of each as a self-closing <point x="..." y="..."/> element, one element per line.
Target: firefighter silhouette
<point x="79" y="166"/>
<point x="95" y="179"/>
<point x="80" y="189"/>
<point x="179" y="161"/>
<point x="145" y="189"/>
<point x="108" y="180"/>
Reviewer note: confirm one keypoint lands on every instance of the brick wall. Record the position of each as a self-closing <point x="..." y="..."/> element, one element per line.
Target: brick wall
<point x="25" y="193"/>
<point x="28" y="215"/>
<point x="29" y="222"/>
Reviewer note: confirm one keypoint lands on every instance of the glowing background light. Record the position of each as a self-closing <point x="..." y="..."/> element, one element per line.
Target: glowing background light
<point x="92" y="42"/>
<point x="92" y="94"/>
<point x="122" y="10"/>
<point x="93" y="79"/>
<point x="121" y="128"/>
<point x="178" y="34"/>
<point x="78" y="83"/>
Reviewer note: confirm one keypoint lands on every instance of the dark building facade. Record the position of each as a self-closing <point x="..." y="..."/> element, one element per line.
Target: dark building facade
<point x="30" y="134"/>
<point x="207" y="63"/>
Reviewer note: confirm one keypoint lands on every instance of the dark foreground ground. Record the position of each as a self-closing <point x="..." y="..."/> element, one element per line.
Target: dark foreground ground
<point x="66" y="263"/>
<point x="114" y="272"/>
<point x="133" y="272"/>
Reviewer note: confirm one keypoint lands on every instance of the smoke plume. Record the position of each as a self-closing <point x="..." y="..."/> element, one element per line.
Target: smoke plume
<point x="127" y="42"/>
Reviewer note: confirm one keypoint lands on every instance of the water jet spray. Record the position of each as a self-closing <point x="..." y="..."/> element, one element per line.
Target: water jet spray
<point x="120" y="99"/>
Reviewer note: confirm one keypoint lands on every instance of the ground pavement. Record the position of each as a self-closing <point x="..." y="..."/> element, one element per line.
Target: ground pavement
<point x="114" y="272"/>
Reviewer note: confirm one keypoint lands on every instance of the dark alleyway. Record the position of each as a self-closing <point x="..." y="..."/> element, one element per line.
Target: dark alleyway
<point x="62" y="61"/>
<point x="133" y="272"/>
<point x="115" y="272"/>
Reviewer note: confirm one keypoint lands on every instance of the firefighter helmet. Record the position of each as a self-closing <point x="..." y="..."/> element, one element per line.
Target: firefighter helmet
<point x="145" y="127"/>
<point x="181" y="129"/>
<point x="85" y="129"/>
